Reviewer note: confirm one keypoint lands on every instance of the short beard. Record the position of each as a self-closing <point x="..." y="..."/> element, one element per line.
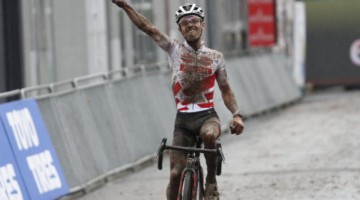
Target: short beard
<point x="196" y="39"/>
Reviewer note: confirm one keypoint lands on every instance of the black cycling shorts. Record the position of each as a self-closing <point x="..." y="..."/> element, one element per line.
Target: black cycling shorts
<point x="190" y="123"/>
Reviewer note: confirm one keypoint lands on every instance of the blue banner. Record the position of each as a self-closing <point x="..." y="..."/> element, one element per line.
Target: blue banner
<point x="11" y="183"/>
<point x="33" y="150"/>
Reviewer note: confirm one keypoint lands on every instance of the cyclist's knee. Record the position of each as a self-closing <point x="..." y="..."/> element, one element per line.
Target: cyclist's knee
<point x="209" y="133"/>
<point x="175" y="173"/>
<point x="209" y="137"/>
<point x="177" y="164"/>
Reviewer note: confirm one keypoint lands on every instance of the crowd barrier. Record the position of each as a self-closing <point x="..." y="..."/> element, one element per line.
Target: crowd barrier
<point x="105" y="123"/>
<point x="29" y="167"/>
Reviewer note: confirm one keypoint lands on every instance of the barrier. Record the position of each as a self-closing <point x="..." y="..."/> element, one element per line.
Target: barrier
<point x="29" y="169"/>
<point x="107" y="122"/>
<point x="260" y="83"/>
<point x="95" y="122"/>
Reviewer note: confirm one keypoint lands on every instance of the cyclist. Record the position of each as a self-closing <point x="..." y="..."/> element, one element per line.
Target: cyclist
<point x="194" y="71"/>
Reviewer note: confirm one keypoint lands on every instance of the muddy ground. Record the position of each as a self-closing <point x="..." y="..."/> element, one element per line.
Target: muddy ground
<point x="307" y="151"/>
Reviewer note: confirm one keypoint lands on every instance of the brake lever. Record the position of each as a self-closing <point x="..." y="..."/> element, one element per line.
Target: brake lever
<point x="161" y="147"/>
<point x="220" y="152"/>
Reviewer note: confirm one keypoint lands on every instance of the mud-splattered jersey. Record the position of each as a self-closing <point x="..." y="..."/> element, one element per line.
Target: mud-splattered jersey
<point x="193" y="75"/>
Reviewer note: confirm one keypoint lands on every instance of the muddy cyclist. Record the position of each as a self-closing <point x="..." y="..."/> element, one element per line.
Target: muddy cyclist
<point x="195" y="68"/>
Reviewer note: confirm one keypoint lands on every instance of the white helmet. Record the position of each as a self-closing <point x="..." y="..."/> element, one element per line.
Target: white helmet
<point x="189" y="9"/>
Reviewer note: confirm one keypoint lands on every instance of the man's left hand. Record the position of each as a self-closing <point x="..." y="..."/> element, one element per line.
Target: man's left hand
<point x="120" y="3"/>
<point x="236" y="125"/>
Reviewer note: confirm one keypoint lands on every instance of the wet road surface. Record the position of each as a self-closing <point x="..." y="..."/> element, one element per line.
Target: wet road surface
<point x="310" y="150"/>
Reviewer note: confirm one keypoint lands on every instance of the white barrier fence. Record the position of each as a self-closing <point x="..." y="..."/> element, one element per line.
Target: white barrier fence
<point x="104" y="123"/>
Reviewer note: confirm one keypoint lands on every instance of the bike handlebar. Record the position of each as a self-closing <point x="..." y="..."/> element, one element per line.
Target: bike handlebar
<point x="160" y="152"/>
<point x="220" y="156"/>
<point x="190" y="149"/>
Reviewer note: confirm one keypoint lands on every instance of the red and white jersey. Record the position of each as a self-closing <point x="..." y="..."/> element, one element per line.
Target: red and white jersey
<point x="193" y="75"/>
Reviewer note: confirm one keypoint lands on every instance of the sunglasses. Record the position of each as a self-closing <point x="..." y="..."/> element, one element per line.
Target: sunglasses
<point x="189" y="20"/>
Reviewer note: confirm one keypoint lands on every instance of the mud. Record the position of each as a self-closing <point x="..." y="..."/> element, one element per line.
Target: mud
<point x="308" y="151"/>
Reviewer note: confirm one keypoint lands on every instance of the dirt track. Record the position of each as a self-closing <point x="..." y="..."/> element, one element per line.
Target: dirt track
<point x="309" y="151"/>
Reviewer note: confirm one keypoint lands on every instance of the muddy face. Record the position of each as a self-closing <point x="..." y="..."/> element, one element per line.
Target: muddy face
<point x="191" y="28"/>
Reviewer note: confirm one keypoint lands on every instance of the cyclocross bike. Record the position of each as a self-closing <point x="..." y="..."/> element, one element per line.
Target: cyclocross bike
<point x="192" y="177"/>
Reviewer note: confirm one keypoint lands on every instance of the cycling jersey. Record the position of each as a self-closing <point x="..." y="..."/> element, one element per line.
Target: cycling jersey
<point x="193" y="74"/>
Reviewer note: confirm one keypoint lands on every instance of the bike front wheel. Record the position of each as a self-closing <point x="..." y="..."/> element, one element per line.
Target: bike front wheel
<point x="186" y="192"/>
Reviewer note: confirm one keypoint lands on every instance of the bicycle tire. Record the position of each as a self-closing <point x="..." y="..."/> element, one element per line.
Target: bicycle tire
<point x="200" y="186"/>
<point x="186" y="192"/>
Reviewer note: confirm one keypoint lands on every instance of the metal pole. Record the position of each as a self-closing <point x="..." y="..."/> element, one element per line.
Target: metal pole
<point x="211" y="25"/>
<point x="2" y="51"/>
<point x="12" y="44"/>
<point x="50" y="37"/>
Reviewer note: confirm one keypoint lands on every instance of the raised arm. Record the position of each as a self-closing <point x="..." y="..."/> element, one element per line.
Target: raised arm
<point x="144" y="24"/>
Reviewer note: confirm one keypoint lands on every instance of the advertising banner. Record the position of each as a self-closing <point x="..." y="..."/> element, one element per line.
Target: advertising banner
<point x="333" y="43"/>
<point x="11" y="183"/>
<point x="261" y="23"/>
<point x="33" y="150"/>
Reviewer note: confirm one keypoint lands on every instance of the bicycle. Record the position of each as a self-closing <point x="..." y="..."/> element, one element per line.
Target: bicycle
<point x="192" y="177"/>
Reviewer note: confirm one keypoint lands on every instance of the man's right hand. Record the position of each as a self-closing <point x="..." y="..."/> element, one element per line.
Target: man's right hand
<point x="120" y="3"/>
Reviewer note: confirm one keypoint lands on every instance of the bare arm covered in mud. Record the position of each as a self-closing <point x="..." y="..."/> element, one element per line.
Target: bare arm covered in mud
<point x="228" y="96"/>
<point x="144" y="24"/>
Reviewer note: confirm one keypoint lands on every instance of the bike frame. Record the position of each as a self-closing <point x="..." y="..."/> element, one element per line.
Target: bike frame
<point x="192" y="164"/>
